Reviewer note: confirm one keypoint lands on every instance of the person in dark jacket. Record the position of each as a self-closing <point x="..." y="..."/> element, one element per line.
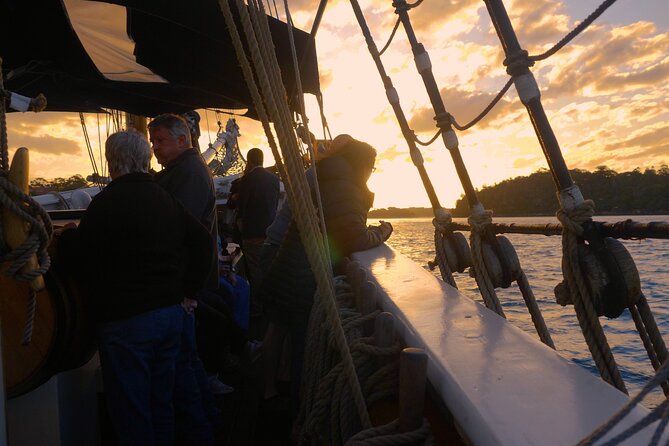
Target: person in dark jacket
<point x="187" y="178"/>
<point x="257" y="201"/>
<point x="146" y="253"/>
<point x="289" y="284"/>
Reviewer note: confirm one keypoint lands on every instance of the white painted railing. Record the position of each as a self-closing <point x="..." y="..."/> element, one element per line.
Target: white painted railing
<point x="502" y="386"/>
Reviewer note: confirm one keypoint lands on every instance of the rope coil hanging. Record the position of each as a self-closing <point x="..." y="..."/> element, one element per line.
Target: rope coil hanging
<point x="326" y="410"/>
<point x="15" y="201"/>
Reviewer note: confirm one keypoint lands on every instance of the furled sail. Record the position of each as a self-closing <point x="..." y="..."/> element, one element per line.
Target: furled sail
<point x="143" y="57"/>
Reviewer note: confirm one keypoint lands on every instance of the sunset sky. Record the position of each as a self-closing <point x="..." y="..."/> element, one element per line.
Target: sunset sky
<point x="605" y="94"/>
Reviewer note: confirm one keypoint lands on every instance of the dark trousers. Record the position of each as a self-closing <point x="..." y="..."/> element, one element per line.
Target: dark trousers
<point x="138" y="358"/>
<point x="193" y="402"/>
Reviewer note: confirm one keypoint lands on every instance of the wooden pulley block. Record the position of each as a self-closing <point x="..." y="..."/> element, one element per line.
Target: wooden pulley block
<point x="615" y="286"/>
<point x="613" y="282"/>
<point x="494" y="264"/>
<point x="458" y="254"/>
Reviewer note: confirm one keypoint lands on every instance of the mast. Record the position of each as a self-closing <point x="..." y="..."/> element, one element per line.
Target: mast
<point x="136" y="122"/>
<point x="518" y="65"/>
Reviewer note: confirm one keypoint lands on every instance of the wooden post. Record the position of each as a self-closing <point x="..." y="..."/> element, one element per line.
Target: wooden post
<point x="356" y="278"/>
<point x="413" y="369"/>
<point x="351" y="268"/>
<point x="136" y="122"/>
<point x="384" y="329"/>
<point x="384" y="333"/>
<point x="383" y="411"/>
<point x="365" y="300"/>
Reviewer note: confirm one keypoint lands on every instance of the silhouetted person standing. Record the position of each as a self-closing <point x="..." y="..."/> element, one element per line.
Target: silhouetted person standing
<point x="257" y="204"/>
<point x="150" y="253"/>
<point x="187" y="178"/>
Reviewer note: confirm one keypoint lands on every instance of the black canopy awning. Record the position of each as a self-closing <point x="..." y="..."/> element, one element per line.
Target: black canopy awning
<point x="184" y="43"/>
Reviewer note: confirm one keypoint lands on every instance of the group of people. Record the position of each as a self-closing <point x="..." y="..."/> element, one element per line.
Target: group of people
<point x="157" y="258"/>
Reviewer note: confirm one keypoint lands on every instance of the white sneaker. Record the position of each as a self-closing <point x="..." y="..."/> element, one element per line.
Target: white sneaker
<point x="217" y="387"/>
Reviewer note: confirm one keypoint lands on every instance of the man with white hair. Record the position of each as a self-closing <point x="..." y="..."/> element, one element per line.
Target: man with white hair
<point x="144" y="253"/>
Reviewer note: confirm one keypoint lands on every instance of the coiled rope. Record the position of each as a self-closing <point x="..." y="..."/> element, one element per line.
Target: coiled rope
<point x="36" y="243"/>
<point x="325" y="415"/>
<point x="388" y="435"/>
<point x="269" y="77"/>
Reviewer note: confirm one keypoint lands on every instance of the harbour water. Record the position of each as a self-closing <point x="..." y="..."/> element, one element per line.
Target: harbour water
<point x="540" y="257"/>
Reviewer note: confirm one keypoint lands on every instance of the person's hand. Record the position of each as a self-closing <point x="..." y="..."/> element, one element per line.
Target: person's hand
<point x="225" y="269"/>
<point x="386" y="229"/>
<point x="189" y="305"/>
<point x="224" y="265"/>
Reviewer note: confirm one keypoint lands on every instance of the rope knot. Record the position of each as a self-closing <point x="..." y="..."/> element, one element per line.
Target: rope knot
<point x="444" y="120"/>
<point x="516" y="63"/>
<point x="479" y="221"/>
<point x="572" y="219"/>
<point x="442" y="220"/>
<point x="401" y="6"/>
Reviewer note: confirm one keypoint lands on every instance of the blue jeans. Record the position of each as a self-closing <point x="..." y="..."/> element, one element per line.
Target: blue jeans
<point x="193" y="402"/>
<point x="238" y="298"/>
<point x="138" y="357"/>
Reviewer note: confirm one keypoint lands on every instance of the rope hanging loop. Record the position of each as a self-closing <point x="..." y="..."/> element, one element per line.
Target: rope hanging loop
<point x="611" y="276"/>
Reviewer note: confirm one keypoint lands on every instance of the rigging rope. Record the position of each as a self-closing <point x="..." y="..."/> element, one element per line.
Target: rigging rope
<point x="572" y="220"/>
<point x="299" y="196"/>
<point x="575" y="32"/>
<point x="478" y="222"/>
<point x="390" y="39"/>
<point x="660" y="412"/>
<point x="91" y="154"/>
<point x="305" y="123"/>
<point x="485" y="111"/>
<point x="409" y="135"/>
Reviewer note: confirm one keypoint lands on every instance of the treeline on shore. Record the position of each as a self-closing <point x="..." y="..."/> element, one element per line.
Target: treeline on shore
<point x="43" y="186"/>
<point x="634" y="192"/>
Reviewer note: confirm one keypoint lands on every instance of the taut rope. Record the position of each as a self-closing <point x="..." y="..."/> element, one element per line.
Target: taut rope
<point x="269" y="76"/>
<point x="572" y="221"/>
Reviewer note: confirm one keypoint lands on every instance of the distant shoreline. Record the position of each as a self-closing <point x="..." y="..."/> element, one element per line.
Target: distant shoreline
<point x="415" y="212"/>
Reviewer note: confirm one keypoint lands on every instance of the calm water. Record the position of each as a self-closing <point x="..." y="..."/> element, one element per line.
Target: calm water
<point x="540" y="258"/>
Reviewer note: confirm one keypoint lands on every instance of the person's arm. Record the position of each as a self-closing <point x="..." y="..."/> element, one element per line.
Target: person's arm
<point x="200" y="255"/>
<point x="353" y="234"/>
